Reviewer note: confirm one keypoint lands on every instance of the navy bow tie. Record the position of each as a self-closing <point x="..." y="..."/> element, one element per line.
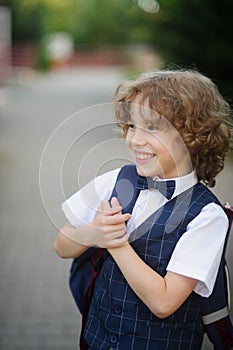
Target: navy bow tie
<point x="167" y="187"/>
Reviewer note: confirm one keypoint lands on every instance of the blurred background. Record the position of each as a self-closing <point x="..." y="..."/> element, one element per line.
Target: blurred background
<point x="58" y="59"/>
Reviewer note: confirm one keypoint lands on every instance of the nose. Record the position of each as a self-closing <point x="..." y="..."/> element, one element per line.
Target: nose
<point x="138" y="137"/>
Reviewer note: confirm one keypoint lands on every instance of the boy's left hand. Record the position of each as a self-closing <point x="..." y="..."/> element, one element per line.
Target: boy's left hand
<point x="112" y="208"/>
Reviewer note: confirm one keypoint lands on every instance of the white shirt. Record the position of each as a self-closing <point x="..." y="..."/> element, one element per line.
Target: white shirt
<point x="199" y="250"/>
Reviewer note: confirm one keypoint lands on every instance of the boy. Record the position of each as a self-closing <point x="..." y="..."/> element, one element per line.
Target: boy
<point x="164" y="257"/>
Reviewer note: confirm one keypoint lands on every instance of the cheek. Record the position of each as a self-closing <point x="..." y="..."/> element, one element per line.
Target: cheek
<point x="166" y="150"/>
<point x="159" y="143"/>
<point x="180" y="148"/>
<point x="168" y="143"/>
<point x="175" y="153"/>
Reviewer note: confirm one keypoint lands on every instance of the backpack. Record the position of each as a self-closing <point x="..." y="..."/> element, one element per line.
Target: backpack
<point x="83" y="273"/>
<point x="214" y="309"/>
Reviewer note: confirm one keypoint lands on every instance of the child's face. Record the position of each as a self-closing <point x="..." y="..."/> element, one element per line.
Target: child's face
<point x="155" y="144"/>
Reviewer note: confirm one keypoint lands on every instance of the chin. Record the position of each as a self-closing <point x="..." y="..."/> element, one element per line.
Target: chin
<point x="142" y="171"/>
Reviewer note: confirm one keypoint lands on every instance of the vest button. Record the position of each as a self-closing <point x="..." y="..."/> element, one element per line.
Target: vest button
<point x="113" y="339"/>
<point x="117" y="309"/>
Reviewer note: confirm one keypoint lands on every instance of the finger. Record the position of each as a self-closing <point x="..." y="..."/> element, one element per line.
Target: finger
<point x="115" y="204"/>
<point x="119" y="241"/>
<point x="115" y="235"/>
<point x="117" y="219"/>
<point x="105" y="207"/>
<point x="119" y="229"/>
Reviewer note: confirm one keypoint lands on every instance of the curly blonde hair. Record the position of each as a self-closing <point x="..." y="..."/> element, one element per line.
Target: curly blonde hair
<point x="192" y="103"/>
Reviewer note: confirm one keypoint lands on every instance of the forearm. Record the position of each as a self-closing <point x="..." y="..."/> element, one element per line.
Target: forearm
<point x="104" y="232"/>
<point x="163" y="296"/>
<point x="141" y="278"/>
<point x="66" y="244"/>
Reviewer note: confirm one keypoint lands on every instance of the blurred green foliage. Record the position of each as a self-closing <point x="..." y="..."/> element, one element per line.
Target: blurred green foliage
<point x="198" y="34"/>
<point x="88" y="21"/>
<point x="189" y="33"/>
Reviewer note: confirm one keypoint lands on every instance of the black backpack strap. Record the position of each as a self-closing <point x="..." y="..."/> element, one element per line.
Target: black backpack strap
<point x="125" y="189"/>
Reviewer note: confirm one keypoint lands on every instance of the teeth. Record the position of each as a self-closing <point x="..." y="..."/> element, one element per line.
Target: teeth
<point x="144" y="156"/>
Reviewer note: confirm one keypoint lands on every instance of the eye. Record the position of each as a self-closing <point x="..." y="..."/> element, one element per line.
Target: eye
<point x="131" y="125"/>
<point x="152" y="127"/>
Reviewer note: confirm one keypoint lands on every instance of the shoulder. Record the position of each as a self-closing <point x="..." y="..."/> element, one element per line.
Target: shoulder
<point x="106" y="179"/>
<point x="211" y="216"/>
<point x="100" y="186"/>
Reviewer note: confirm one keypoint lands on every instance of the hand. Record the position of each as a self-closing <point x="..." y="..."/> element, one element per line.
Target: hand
<point x="108" y="229"/>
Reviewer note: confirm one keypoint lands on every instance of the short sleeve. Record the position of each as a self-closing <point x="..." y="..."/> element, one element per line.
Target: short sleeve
<point x="82" y="206"/>
<point x="199" y="250"/>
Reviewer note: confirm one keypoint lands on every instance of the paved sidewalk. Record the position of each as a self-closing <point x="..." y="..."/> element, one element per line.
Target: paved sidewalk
<point x="36" y="308"/>
<point x="37" y="311"/>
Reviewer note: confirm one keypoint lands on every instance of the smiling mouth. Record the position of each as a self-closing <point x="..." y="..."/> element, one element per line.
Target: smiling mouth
<point x="144" y="156"/>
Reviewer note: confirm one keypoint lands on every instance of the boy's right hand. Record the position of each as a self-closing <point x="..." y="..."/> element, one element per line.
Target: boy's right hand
<point x="108" y="229"/>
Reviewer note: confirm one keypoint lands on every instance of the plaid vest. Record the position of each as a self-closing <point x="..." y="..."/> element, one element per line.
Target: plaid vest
<point x="117" y="318"/>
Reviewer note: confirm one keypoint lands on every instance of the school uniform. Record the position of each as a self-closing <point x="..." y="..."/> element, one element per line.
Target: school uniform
<point x="184" y="234"/>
